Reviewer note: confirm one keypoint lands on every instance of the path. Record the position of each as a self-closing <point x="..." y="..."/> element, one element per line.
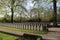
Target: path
<point x="54" y="34"/>
<point x="11" y="31"/>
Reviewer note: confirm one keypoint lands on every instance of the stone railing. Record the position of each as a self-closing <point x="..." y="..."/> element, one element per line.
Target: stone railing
<point x="26" y="25"/>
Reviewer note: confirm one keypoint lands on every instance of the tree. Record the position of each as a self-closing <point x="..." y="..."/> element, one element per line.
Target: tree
<point x="21" y="9"/>
<point x="55" y="13"/>
<point x="58" y="14"/>
<point x="37" y="4"/>
<point x="12" y="11"/>
<point x="13" y="4"/>
<point x="34" y="12"/>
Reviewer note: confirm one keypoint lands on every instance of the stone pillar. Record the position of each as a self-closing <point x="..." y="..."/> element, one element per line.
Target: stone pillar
<point x="41" y="27"/>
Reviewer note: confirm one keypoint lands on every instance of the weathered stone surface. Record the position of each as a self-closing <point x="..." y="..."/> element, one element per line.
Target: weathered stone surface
<point x="29" y="37"/>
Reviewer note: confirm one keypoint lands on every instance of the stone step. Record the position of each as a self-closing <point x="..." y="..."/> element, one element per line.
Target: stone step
<point x="54" y="29"/>
<point x="51" y="39"/>
<point x="51" y="36"/>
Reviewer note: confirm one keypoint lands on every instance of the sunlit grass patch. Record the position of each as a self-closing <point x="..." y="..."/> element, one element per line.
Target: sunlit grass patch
<point x="4" y="36"/>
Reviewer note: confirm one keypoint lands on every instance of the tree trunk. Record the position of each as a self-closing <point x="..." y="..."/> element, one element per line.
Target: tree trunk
<point x="12" y="15"/>
<point x="12" y="11"/>
<point x="55" y="13"/>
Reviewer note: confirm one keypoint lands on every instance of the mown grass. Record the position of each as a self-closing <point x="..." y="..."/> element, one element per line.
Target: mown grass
<point x="4" y="36"/>
<point x="24" y="30"/>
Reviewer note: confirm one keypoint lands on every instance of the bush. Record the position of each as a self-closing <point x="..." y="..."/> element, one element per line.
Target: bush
<point x="34" y="20"/>
<point x="5" y="20"/>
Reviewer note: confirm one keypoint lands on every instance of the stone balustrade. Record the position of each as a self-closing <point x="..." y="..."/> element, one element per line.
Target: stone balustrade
<point x="26" y="25"/>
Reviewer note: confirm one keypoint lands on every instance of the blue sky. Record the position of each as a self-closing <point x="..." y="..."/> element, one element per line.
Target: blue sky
<point x="58" y="4"/>
<point x="30" y="4"/>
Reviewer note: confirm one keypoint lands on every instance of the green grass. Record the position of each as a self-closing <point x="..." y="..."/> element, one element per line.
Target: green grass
<point x="22" y="30"/>
<point x="38" y="39"/>
<point x="7" y="37"/>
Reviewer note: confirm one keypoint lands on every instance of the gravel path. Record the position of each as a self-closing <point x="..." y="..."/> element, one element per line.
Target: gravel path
<point x="11" y="31"/>
<point x="54" y="34"/>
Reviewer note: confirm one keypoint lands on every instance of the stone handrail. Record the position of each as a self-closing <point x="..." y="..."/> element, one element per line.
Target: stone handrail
<point x="26" y="25"/>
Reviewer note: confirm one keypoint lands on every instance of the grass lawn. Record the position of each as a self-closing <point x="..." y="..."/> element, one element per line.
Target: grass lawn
<point x="7" y="37"/>
<point x="22" y="30"/>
